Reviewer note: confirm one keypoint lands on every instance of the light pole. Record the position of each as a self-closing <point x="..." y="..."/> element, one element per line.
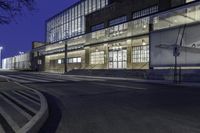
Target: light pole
<point x="21" y="53"/>
<point x="1" y="48"/>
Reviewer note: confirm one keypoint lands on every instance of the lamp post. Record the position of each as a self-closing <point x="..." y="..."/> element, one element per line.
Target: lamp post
<point x="1" y="48"/>
<point x="21" y="53"/>
<point x="66" y="57"/>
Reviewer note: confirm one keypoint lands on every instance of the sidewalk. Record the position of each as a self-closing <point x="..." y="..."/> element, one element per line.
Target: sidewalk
<point x="164" y="82"/>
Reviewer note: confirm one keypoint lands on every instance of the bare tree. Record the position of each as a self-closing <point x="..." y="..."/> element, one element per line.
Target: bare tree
<point x="10" y="8"/>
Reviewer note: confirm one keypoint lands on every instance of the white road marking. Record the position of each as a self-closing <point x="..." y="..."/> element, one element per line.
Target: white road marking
<point x="121" y="86"/>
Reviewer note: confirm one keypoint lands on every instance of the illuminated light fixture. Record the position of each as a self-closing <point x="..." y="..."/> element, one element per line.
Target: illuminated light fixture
<point x="59" y="61"/>
<point x="143" y="42"/>
<point x="21" y="53"/>
<point x="145" y="26"/>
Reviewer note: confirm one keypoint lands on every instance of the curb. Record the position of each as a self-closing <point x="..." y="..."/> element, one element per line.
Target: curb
<point x="34" y="125"/>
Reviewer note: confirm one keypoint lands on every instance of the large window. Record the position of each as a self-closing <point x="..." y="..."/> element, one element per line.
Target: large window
<point x="74" y="60"/>
<point x="118" y="20"/>
<point x="97" y="27"/>
<point x="145" y="12"/>
<point x="178" y="17"/>
<point x="141" y="54"/>
<point x="97" y="58"/>
<point x="141" y="26"/>
<point x="71" y="22"/>
<point x="98" y="34"/>
<point x="118" y="30"/>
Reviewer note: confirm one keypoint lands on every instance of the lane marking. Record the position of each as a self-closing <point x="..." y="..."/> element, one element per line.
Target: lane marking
<point x="10" y="121"/>
<point x="121" y="86"/>
<point x="26" y="78"/>
<point x="30" y="100"/>
<point x="21" y="103"/>
<point x="28" y="116"/>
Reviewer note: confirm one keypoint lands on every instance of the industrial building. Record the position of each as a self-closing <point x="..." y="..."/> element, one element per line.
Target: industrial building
<point x="19" y="62"/>
<point x="120" y="34"/>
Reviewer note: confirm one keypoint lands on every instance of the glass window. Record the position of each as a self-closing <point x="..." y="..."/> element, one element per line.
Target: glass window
<point x="97" y="27"/>
<point x="71" y="22"/>
<point x="145" y="12"/>
<point x="98" y="34"/>
<point x="97" y="58"/>
<point x="39" y="62"/>
<point x="141" y="26"/>
<point x="176" y="17"/>
<point x="118" y="30"/>
<point x="141" y="54"/>
<point x="74" y="60"/>
<point x="118" y="20"/>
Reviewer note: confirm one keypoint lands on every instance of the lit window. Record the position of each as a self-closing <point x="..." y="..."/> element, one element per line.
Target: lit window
<point x="172" y="18"/>
<point x="141" y="54"/>
<point x="59" y="61"/>
<point x="145" y="12"/>
<point x="98" y="34"/>
<point x="118" y="21"/>
<point x="97" y="58"/>
<point x="118" y="30"/>
<point x="97" y="27"/>
<point x="74" y="60"/>
<point x="39" y="62"/>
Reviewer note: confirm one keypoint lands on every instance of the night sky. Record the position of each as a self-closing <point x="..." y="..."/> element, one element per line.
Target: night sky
<point x="18" y="35"/>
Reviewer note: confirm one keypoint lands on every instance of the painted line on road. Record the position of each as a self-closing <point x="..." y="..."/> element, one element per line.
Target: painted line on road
<point x="2" y="130"/>
<point x="30" y="100"/>
<point x="34" y="111"/>
<point x="32" y="96"/>
<point x="28" y="116"/>
<point x="39" y="119"/>
<point x="42" y="78"/>
<point x="10" y="121"/>
<point x="121" y="86"/>
<point x="26" y="78"/>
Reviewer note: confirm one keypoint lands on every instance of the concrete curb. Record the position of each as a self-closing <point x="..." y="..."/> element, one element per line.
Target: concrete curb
<point x="161" y="82"/>
<point x="34" y="125"/>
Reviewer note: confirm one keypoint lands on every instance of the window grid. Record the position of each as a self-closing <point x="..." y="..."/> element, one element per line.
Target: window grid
<point x="141" y="54"/>
<point x="74" y="60"/>
<point x="118" y="30"/>
<point x="145" y="12"/>
<point x="97" y="58"/>
<point x="71" y="22"/>
<point x="118" y="20"/>
<point x="97" y="27"/>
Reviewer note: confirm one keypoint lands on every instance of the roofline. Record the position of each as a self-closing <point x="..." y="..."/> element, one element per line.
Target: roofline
<point x="64" y="10"/>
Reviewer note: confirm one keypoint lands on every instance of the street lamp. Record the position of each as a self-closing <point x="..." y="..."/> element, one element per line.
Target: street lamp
<point x="1" y="48"/>
<point x="21" y="53"/>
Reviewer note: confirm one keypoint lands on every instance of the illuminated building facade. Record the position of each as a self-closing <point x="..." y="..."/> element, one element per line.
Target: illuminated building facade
<point x="109" y="34"/>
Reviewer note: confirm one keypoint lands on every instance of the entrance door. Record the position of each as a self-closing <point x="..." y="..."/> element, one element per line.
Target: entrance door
<point x="118" y="59"/>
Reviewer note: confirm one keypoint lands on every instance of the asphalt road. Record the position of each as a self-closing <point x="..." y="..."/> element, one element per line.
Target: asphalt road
<point x="90" y="105"/>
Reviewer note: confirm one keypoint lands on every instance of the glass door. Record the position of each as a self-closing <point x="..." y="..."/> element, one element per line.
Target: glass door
<point x="118" y="59"/>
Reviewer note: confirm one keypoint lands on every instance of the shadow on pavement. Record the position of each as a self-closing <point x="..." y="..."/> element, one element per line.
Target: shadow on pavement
<point x="55" y="115"/>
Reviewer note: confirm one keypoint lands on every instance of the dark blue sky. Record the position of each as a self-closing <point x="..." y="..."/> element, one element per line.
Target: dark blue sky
<point x="19" y="35"/>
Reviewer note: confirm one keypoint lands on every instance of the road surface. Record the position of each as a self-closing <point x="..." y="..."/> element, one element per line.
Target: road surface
<point x="93" y="105"/>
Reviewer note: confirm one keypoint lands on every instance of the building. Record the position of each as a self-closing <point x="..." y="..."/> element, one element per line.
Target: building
<point x="19" y="62"/>
<point x="118" y="34"/>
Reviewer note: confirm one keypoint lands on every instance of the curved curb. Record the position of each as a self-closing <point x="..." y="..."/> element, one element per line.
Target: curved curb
<point x="34" y="125"/>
